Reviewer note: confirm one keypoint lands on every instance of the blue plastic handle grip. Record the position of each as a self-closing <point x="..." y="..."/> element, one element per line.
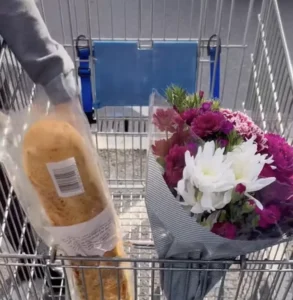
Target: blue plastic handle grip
<point x="84" y="73"/>
<point x="216" y="92"/>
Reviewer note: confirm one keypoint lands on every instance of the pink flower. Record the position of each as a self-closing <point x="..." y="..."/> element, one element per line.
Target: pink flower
<point x="175" y="163"/>
<point x="180" y="138"/>
<point x="225" y="229"/>
<point x="161" y="147"/>
<point x="268" y="216"/>
<point x="208" y="123"/>
<point x="282" y="154"/>
<point x="189" y="114"/>
<point x="246" y="127"/>
<point x="176" y="109"/>
<point x="167" y="119"/>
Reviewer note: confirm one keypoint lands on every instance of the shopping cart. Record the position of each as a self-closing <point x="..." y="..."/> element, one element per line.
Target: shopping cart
<point x="218" y="37"/>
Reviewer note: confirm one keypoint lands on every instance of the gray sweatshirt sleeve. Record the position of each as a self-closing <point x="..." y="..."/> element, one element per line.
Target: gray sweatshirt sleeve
<point x="46" y="61"/>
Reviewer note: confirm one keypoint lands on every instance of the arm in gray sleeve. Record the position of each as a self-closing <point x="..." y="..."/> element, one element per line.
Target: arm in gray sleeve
<point x="46" y="61"/>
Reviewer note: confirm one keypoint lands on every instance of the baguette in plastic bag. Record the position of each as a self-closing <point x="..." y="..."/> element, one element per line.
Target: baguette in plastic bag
<point x="54" y="152"/>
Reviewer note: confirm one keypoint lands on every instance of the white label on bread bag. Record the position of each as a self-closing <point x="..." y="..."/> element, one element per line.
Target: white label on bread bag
<point x="66" y="178"/>
<point x="94" y="237"/>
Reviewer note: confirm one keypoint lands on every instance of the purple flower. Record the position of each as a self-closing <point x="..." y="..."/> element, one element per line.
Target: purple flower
<point x="268" y="216"/>
<point x="175" y="163"/>
<point x="192" y="147"/>
<point x="279" y="194"/>
<point x="189" y="115"/>
<point x="227" y="127"/>
<point x="246" y="127"/>
<point x="282" y="154"/>
<point x="208" y="123"/>
<point x="222" y="142"/>
<point x="206" y="106"/>
<point x="225" y="229"/>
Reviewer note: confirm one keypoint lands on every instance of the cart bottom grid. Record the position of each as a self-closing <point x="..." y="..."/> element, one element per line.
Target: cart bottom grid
<point x="256" y="280"/>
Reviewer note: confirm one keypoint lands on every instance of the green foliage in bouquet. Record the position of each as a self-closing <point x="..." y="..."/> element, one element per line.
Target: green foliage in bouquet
<point x="234" y="139"/>
<point x="179" y="98"/>
<point x="176" y="96"/>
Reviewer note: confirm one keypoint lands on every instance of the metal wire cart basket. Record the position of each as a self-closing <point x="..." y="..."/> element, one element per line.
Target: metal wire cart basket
<point x="218" y="36"/>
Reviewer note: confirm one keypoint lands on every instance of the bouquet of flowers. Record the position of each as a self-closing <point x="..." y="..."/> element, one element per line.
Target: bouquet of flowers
<point x="217" y="187"/>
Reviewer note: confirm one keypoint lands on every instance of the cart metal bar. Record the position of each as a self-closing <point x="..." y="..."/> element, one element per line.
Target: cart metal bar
<point x="261" y="83"/>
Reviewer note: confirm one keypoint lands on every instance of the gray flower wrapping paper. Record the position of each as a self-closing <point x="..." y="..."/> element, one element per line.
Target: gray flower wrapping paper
<point x="179" y="238"/>
<point x="177" y="235"/>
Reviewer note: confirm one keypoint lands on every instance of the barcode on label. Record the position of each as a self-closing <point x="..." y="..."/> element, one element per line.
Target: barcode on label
<point x="66" y="178"/>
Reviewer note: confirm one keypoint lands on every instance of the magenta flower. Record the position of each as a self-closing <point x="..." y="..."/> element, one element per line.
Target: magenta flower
<point x="208" y="123"/>
<point x="167" y="120"/>
<point x="201" y="94"/>
<point x="267" y="171"/>
<point x="175" y="163"/>
<point x="240" y="188"/>
<point x="189" y="114"/>
<point x="225" y="229"/>
<point x="282" y="154"/>
<point x="182" y="137"/>
<point x="268" y="216"/>
<point x="246" y="127"/>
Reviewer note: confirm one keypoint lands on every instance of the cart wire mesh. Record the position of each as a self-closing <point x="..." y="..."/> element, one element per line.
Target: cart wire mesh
<point x="260" y="83"/>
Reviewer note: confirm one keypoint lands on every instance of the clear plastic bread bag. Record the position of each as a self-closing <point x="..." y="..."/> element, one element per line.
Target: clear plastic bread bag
<point x="48" y="153"/>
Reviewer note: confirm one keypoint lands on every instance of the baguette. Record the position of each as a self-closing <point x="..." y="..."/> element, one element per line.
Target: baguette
<point x="48" y="141"/>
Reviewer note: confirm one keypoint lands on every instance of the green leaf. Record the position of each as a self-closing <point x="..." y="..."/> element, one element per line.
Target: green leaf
<point x="161" y="161"/>
<point x="223" y="216"/>
<point x="204" y="223"/>
<point x="179" y="97"/>
<point x="234" y="139"/>
<point x="247" y="208"/>
<point x="176" y="96"/>
<point x="216" y="105"/>
<point x="254" y="221"/>
<point x="236" y="197"/>
<point x="191" y="101"/>
<point x="198" y="194"/>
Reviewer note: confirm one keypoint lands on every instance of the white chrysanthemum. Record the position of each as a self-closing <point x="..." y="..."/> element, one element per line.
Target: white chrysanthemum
<point x="210" y="176"/>
<point x="247" y="166"/>
<point x="209" y="173"/>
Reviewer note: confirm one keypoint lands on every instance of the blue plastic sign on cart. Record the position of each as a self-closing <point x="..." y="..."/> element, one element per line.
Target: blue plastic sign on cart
<point x="126" y="74"/>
